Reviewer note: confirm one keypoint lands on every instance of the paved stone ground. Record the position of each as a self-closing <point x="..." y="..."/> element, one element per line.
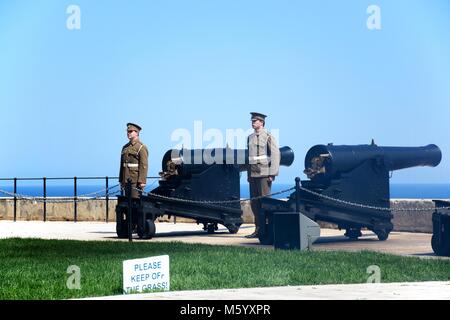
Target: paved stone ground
<point x="401" y="243"/>
<point x="368" y="291"/>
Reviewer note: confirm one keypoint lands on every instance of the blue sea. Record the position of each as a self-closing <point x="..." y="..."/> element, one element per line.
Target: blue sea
<point x="405" y="191"/>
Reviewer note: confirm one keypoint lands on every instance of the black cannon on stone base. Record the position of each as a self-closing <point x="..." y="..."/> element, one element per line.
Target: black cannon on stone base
<point x="203" y="185"/>
<point x="349" y="186"/>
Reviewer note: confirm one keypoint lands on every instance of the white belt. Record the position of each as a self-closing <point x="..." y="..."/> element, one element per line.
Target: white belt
<point x="256" y="158"/>
<point x="130" y="165"/>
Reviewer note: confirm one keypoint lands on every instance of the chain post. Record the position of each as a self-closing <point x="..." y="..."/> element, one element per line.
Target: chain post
<point x="44" y="182"/>
<point x="75" y="199"/>
<point x="107" y="199"/>
<point x="129" y="217"/>
<point x="15" y="199"/>
<point x="297" y="194"/>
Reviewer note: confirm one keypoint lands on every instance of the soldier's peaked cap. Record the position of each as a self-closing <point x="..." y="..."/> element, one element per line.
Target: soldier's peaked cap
<point x="258" y="116"/>
<point x="133" y="126"/>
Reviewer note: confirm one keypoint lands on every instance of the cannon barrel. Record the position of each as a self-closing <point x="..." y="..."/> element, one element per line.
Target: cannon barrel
<point x="407" y="157"/>
<point x="188" y="161"/>
<point x="325" y="161"/>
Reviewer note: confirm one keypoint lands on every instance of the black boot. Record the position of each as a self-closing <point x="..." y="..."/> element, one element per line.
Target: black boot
<point x="253" y="235"/>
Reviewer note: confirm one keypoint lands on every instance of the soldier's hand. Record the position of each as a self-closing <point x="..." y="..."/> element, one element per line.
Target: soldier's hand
<point x="142" y="185"/>
<point x="271" y="178"/>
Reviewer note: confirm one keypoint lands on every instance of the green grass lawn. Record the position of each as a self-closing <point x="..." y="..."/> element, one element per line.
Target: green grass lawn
<point x="36" y="269"/>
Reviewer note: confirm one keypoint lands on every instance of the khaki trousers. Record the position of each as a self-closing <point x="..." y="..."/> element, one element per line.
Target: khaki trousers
<point x="258" y="187"/>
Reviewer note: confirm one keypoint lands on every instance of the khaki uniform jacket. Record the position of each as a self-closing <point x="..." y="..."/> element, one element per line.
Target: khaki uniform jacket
<point x="134" y="163"/>
<point x="264" y="155"/>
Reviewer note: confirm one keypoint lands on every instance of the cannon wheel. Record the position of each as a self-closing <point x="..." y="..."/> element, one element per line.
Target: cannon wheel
<point x="122" y="233"/>
<point x="353" y="233"/>
<point x="440" y="249"/>
<point x="210" y="227"/>
<point x="382" y="235"/>
<point x="233" y="228"/>
<point x="148" y="231"/>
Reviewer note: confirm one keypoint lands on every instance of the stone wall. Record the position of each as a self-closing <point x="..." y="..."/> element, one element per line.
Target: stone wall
<point x="92" y="210"/>
<point x="95" y="210"/>
<point x="413" y="221"/>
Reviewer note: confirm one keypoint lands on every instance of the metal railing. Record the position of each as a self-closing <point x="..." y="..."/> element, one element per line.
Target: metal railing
<point x="75" y="198"/>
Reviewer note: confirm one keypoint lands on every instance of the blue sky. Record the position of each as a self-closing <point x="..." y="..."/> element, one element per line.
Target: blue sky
<point x="314" y="67"/>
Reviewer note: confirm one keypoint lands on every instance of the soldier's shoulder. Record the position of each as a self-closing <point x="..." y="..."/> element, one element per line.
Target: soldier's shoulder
<point x="126" y="145"/>
<point x="269" y="134"/>
<point x="141" y="144"/>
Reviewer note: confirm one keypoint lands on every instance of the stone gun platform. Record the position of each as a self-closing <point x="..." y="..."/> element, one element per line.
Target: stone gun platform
<point x="400" y="243"/>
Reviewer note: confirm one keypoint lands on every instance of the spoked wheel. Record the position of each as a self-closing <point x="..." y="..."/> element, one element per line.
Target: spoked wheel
<point x="122" y="231"/>
<point x="233" y="228"/>
<point x="148" y="231"/>
<point x="210" y="227"/>
<point x="353" y="233"/>
<point x="382" y="235"/>
<point x="441" y="249"/>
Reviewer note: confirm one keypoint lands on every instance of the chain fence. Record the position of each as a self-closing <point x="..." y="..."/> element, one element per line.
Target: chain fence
<point x="79" y="198"/>
<point x="214" y="202"/>
<point x="336" y="200"/>
<point x="363" y="206"/>
<point x="114" y="190"/>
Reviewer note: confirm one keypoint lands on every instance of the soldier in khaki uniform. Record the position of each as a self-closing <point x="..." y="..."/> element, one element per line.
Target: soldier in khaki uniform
<point x="134" y="161"/>
<point x="264" y="160"/>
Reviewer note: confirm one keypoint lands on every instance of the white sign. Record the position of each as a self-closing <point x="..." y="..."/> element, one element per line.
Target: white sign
<point x="146" y="274"/>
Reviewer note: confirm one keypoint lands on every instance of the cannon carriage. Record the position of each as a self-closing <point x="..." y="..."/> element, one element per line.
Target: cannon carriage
<point x="203" y="185"/>
<point x="349" y="186"/>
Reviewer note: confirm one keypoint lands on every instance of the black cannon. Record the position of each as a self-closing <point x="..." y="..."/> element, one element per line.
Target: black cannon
<point x="440" y="242"/>
<point x="203" y="185"/>
<point x="349" y="186"/>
